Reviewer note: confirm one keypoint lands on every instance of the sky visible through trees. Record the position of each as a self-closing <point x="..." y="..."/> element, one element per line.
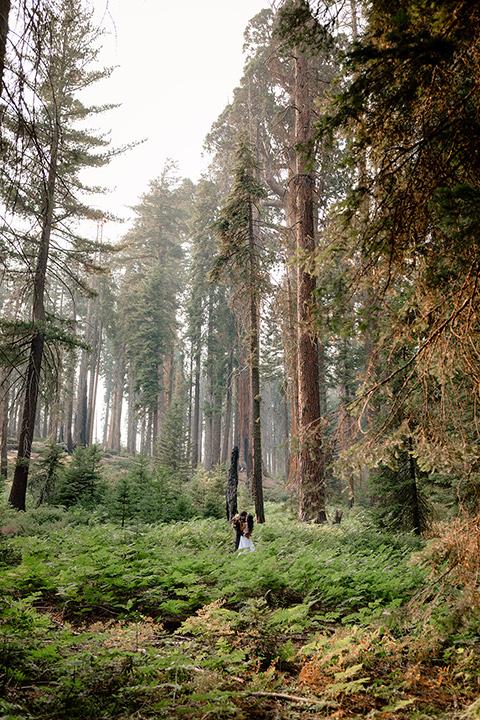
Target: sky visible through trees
<point x="197" y="85"/>
<point x="176" y="67"/>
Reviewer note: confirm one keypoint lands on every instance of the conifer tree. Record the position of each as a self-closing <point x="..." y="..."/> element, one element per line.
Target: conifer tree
<point x="211" y="330"/>
<point x="49" y="192"/>
<point x="83" y="484"/>
<point x="202" y="251"/>
<point x="412" y="216"/>
<point x="240" y="260"/>
<point x="149" y="296"/>
<point x="172" y="451"/>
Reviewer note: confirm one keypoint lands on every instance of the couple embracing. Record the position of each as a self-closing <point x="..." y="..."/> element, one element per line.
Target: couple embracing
<point x="243" y="526"/>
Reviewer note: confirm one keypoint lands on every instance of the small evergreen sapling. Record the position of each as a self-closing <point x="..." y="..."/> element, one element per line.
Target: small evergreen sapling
<point x="83" y="479"/>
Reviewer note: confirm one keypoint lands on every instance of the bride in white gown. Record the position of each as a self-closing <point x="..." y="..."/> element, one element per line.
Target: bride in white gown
<point x="246" y="527"/>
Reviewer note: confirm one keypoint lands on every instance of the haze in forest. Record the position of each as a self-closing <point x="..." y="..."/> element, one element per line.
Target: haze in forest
<point x="279" y="352"/>
<point x="307" y="305"/>
<point x="176" y="67"/>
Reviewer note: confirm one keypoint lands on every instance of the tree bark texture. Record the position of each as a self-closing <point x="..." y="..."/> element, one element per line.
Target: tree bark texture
<point x="32" y="379"/>
<point x="292" y="364"/>
<point x="255" y="379"/>
<point x="311" y="462"/>
<point x="232" y="485"/>
<point x="5" y="399"/>
<point x="4" y="12"/>
<point x="81" y="405"/>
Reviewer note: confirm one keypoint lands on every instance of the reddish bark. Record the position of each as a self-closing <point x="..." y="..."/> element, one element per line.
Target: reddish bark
<point x="310" y="456"/>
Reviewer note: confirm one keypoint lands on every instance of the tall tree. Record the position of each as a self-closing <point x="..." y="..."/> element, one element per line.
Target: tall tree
<point x="412" y="111"/>
<point x="202" y="251"/>
<point x="149" y="295"/>
<point x="4" y="12"/>
<point x="240" y="256"/>
<point x="310" y="431"/>
<point x="55" y="153"/>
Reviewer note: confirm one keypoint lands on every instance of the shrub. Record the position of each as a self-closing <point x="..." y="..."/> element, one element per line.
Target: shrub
<point x="82" y="483"/>
<point x="44" y="479"/>
<point x="207" y="492"/>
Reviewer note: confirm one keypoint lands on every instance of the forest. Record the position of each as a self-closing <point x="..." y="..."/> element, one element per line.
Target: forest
<point x="293" y="334"/>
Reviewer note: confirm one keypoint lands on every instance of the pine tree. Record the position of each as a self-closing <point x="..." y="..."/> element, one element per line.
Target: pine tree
<point x="172" y="445"/>
<point x="412" y="216"/>
<point x="82" y="484"/>
<point x="240" y="260"/>
<point x="403" y="504"/>
<point x="149" y="297"/>
<point x="55" y="150"/>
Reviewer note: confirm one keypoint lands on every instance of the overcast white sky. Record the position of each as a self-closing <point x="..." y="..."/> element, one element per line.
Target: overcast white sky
<point x="178" y="63"/>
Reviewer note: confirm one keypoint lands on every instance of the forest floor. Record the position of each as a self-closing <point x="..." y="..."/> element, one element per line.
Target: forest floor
<point x="106" y="623"/>
<point x="407" y="682"/>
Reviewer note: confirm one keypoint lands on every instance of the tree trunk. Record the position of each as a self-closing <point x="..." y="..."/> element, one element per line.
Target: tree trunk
<point x="196" y="413"/>
<point x="114" y="433"/>
<point x="4" y="12"/>
<point x="94" y="372"/>
<point x="117" y="434"/>
<point x="81" y="405"/>
<point x="232" y="484"/>
<point x="190" y="406"/>
<point x="346" y="423"/>
<point x="216" y="435"/>
<point x="69" y="412"/>
<point x="107" y="402"/>
<point x="32" y="379"/>
<point x="254" y="360"/>
<point x="207" y="448"/>
<point x="228" y="410"/>
<point x="131" y="416"/>
<point x="148" y="434"/>
<point x="292" y="364"/>
<point x="311" y="461"/>
<point x="159" y="411"/>
<point x="209" y="400"/>
<point x="5" y="398"/>
<point x="286" y="434"/>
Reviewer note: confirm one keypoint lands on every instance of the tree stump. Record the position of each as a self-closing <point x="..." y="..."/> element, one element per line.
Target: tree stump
<point x="232" y="484"/>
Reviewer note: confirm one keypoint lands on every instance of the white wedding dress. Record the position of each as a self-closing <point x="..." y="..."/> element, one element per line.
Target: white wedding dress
<point x="245" y="544"/>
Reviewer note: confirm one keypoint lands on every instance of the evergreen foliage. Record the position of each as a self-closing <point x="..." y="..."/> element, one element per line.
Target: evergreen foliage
<point x="241" y="260"/>
<point x="44" y="483"/>
<point x="123" y="501"/>
<point x="172" y="451"/>
<point x="410" y="123"/>
<point x="82" y="484"/>
<point x="359" y="618"/>
<point x="402" y="504"/>
<point x="207" y="493"/>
